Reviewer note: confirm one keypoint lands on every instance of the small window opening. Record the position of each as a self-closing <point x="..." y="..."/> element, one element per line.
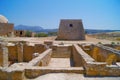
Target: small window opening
<point x="20" y="32"/>
<point x="70" y="25"/>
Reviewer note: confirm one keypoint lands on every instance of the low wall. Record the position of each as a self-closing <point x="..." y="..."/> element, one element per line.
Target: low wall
<point x="61" y="51"/>
<point x="37" y="71"/>
<point x="14" y="72"/>
<point x="80" y="57"/>
<point x="12" y="53"/>
<point x="93" y="68"/>
<point x="17" y="70"/>
<point x="39" y="48"/>
<point x="103" y="52"/>
<point x="28" y="52"/>
<point x="101" y="69"/>
<point x="42" y="60"/>
<point x="24" y="53"/>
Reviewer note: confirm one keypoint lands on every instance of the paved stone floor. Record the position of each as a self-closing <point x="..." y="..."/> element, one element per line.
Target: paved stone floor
<point x="71" y="76"/>
<point x="59" y="62"/>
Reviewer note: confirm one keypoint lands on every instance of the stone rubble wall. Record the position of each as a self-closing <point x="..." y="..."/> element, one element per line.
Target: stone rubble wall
<point x="104" y="52"/>
<point x="17" y="70"/>
<point x="19" y="51"/>
<point x="37" y="71"/>
<point x="6" y="29"/>
<point x="14" y="72"/>
<point x="80" y="57"/>
<point x="61" y="51"/>
<point x="28" y="51"/>
<point x="3" y="55"/>
<point x="93" y="68"/>
<point x="101" y="69"/>
<point x="42" y="60"/>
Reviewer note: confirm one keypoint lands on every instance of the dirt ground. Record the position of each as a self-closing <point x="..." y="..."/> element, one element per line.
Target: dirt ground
<point x="42" y="39"/>
<point x="59" y="62"/>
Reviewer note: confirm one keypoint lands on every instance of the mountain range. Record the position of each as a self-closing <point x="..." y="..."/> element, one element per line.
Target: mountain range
<point x="41" y="29"/>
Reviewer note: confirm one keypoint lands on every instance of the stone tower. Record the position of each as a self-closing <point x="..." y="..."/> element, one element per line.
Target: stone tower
<point x="70" y="29"/>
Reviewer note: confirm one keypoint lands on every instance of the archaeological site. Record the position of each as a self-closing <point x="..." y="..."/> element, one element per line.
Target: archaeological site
<point x="28" y="58"/>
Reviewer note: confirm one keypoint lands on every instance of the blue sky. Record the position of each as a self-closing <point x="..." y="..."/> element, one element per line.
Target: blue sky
<point x="95" y="14"/>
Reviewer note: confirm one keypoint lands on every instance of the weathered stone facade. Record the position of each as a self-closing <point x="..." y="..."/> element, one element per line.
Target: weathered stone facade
<point x="19" y="33"/>
<point x="71" y="30"/>
<point x="6" y="29"/>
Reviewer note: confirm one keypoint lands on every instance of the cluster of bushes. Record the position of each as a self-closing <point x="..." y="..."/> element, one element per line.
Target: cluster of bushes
<point x="118" y="39"/>
<point x="40" y="34"/>
<point x="52" y="33"/>
<point x="28" y="34"/>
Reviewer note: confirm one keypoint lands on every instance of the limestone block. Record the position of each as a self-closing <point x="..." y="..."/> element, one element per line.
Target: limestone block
<point x="28" y="52"/>
<point x="112" y="58"/>
<point x="39" y="48"/>
<point x="61" y="51"/>
<point x="3" y="75"/>
<point x="3" y="56"/>
<point x="12" y="53"/>
<point x="20" y="52"/>
<point x="17" y="75"/>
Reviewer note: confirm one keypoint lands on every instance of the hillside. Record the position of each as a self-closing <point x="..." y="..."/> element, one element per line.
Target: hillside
<point x="41" y="29"/>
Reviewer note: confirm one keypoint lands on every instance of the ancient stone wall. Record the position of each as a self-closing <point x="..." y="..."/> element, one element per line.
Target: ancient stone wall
<point x="101" y="53"/>
<point x="3" y="55"/>
<point x="42" y="60"/>
<point x="38" y="71"/>
<point x="19" y="52"/>
<point x="20" y="33"/>
<point x="12" y="53"/>
<point x="28" y="52"/>
<point x="39" y="48"/>
<point x="93" y="68"/>
<point x="6" y="29"/>
<point x="61" y="51"/>
<point x="80" y="58"/>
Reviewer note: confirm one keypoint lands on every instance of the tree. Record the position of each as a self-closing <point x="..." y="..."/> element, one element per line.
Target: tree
<point x="28" y="33"/>
<point x="41" y="34"/>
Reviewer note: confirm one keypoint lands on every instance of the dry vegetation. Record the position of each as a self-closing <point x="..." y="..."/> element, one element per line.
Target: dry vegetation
<point x="109" y="36"/>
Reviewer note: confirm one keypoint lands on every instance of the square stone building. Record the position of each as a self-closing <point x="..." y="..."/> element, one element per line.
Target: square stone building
<point x="19" y="33"/>
<point x="6" y="29"/>
<point x="71" y="29"/>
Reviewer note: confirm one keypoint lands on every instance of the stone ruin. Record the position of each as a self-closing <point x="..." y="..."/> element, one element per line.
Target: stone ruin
<point x="20" y="60"/>
<point x="70" y="29"/>
<point x="7" y="29"/>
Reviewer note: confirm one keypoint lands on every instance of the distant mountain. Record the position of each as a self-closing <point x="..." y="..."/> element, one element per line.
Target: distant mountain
<point x="30" y="28"/>
<point x="40" y="29"/>
<point x="94" y="31"/>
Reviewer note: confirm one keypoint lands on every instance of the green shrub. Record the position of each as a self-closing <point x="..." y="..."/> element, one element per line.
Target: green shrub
<point x="118" y="43"/>
<point x="41" y="34"/>
<point x="99" y="43"/>
<point x="28" y="33"/>
<point x="113" y="43"/>
<point x="52" y="33"/>
<point x="118" y="39"/>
